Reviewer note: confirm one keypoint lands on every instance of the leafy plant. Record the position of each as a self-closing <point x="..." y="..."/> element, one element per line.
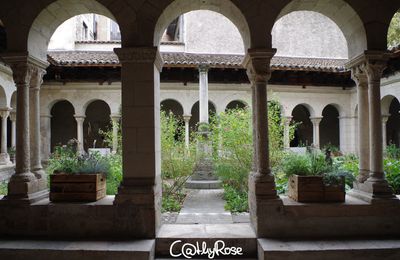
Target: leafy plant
<point x="392" y="152"/>
<point x="3" y="188"/>
<point x="394" y="31"/>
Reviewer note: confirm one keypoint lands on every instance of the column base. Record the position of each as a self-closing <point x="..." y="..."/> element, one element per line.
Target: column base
<point x="373" y="191"/>
<point x="41" y="177"/>
<point x="5" y="159"/>
<point x="25" y="188"/>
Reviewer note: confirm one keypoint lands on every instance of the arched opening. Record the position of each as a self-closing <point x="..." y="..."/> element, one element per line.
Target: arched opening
<point x="3" y="37"/>
<point x="97" y="120"/>
<point x="236" y="104"/>
<point x="303" y="135"/>
<point x="194" y="120"/>
<point x="329" y="127"/>
<point x="63" y="123"/>
<point x="339" y="12"/>
<point x="393" y="36"/>
<point x="172" y="106"/>
<point x="393" y="123"/>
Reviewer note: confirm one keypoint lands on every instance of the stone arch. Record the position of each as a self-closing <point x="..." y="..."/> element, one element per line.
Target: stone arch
<point x="329" y="126"/>
<point x="224" y="7"/>
<point x="13" y="101"/>
<point x="63" y="124"/>
<point x="212" y="109"/>
<point x="172" y="105"/>
<point x="393" y="123"/>
<point x="52" y="16"/>
<point x="342" y="14"/>
<point x="236" y="104"/>
<point x="97" y="119"/>
<point x="303" y="135"/>
<point x="385" y="103"/>
<point x="3" y="98"/>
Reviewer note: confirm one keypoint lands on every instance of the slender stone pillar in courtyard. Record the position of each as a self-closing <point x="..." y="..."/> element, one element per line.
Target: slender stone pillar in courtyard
<point x="372" y="185"/>
<point x="34" y="123"/>
<point x="316" y="121"/>
<point x="203" y="175"/>
<point x="24" y="186"/>
<point x="45" y="132"/>
<point x="13" y="118"/>
<point x="140" y="189"/>
<point x="4" y="157"/>
<point x="79" y="135"/>
<point x="186" y="118"/>
<point x="115" y="120"/>
<point x="286" y="131"/>
<point x="263" y="198"/>
<point x="385" y="118"/>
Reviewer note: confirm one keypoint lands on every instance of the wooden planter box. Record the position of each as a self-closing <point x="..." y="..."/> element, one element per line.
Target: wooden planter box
<point x="77" y="187"/>
<point x="312" y="189"/>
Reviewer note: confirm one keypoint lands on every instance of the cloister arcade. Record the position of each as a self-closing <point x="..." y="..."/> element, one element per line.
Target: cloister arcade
<point x="371" y="209"/>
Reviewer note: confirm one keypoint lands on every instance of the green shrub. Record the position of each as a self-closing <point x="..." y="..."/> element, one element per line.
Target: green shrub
<point x="392" y="171"/>
<point x="392" y="152"/>
<point x="3" y="188"/>
<point x="296" y="164"/>
<point x="236" y="201"/>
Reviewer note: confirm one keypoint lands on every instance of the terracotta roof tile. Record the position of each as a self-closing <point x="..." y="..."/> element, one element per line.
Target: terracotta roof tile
<point x="179" y="59"/>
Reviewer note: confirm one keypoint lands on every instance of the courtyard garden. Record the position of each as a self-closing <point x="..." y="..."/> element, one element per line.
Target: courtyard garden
<point x="231" y="138"/>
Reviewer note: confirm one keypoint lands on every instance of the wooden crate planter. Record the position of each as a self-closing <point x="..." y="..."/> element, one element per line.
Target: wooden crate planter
<point x="77" y="187"/>
<point x="313" y="189"/>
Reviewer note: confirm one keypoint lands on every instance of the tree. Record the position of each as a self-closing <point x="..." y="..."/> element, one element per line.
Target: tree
<point x="394" y="31"/>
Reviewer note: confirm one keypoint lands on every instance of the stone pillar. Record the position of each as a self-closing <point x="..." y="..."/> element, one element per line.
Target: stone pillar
<point x="34" y="124"/>
<point x="13" y="118"/>
<point x="24" y="187"/>
<point x="385" y="118"/>
<point x="371" y="184"/>
<point x="79" y="135"/>
<point x="203" y="94"/>
<point x="263" y="199"/>
<point x="186" y="118"/>
<point x="141" y="156"/>
<point x="115" y="127"/>
<point x="316" y="121"/>
<point x="254" y="123"/>
<point x="4" y="157"/>
<point x="45" y="131"/>
<point x="286" y="131"/>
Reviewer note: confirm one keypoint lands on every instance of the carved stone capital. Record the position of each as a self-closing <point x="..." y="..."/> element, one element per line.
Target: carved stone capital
<point x="4" y="113"/>
<point x="258" y="64"/>
<point x="316" y="120"/>
<point x="359" y="75"/>
<point x="186" y="118"/>
<point x="37" y="77"/>
<point x="13" y="116"/>
<point x="140" y="55"/>
<point x="203" y="68"/>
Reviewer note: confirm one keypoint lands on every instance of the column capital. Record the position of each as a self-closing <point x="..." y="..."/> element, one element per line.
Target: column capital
<point x="46" y="116"/>
<point x="385" y="118"/>
<point x="140" y="55"/>
<point x="13" y="115"/>
<point x="4" y="113"/>
<point x="316" y="119"/>
<point x="22" y="65"/>
<point x="203" y="67"/>
<point x="37" y="77"/>
<point x="258" y="64"/>
<point x="287" y="119"/>
<point x="186" y="118"/>
<point x="115" y="117"/>
<point x="79" y="118"/>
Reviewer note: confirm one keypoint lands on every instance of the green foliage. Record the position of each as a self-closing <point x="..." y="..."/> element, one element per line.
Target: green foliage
<point x="394" y="31"/>
<point x="296" y="164"/>
<point x="114" y="177"/>
<point x="177" y="162"/>
<point x="392" y="171"/>
<point x="3" y="188"/>
<point x="108" y="136"/>
<point x="392" y="152"/>
<point x="233" y="135"/>
<point x="236" y="201"/>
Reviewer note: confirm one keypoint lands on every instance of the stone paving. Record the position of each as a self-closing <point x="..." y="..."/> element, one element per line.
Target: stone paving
<point x="205" y="207"/>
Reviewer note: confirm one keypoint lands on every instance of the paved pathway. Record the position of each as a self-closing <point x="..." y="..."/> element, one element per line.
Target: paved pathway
<point x="204" y="207"/>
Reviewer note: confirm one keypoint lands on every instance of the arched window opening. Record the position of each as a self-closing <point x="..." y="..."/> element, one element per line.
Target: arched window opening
<point x="393" y="123"/>
<point x="303" y="135"/>
<point x="63" y="123"/>
<point x="329" y="127"/>
<point x="97" y="120"/>
<point x="236" y="104"/>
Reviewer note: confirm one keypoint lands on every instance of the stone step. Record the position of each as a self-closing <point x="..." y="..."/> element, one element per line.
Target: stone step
<point x="76" y="250"/>
<point x="274" y="249"/>
<point x="233" y="235"/>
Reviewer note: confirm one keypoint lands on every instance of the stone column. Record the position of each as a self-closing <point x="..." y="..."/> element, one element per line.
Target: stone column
<point x="4" y="157"/>
<point x="79" y="135"/>
<point x="203" y="94"/>
<point x="253" y="122"/>
<point x="316" y="121"/>
<point x="115" y="127"/>
<point x="371" y="185"/>
<point x="360" y="77"/>
<point x="140" y="188"/>
<point x="45" y="131"/>
<point x="186" y="118"/>
<point x="34" y="124"/>
<point x="286" y="131"/>
<point x="263" y="198"/>
<point x="385" y="118"/>
<point x="23" y="187"/>
<point x="13" y="118"/>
